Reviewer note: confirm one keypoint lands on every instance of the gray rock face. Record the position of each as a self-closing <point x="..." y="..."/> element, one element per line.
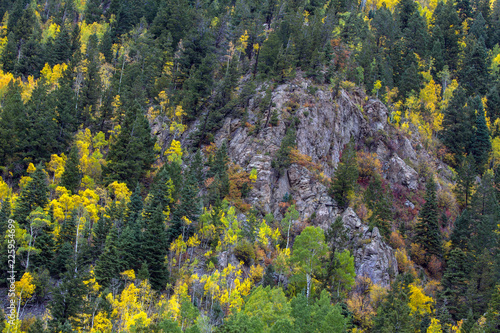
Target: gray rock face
<point x="398" y="172"/>
<point x="372" y="256"/>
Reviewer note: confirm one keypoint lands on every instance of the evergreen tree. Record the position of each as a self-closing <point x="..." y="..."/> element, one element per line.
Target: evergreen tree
<point x="427" y="231"/>
<point x="9" y="53"/>
<point x="466" y="173"/>
<point x="11" y="123"/>
<point x="68" y="301"/>
<point x="394" y="313"/>
<point x="34" y="194"/>
<point x="131" y="156"/>
<point x="474" y="75"/>
<point x="71" y="176"/>
<point x="155" y="247"/>
<point x="93" y="11"/>
<point x="345" y="176"/>
<point x="493" y="105"/>
<point x="454" y="283"/>
<point x="481" y="145"/>
<point x="458" y="124"/>
<point x="62" y="47"/>
<point x="378" y="201"/>
<point x="282" y="160"/>
<point x="461" y="232"/>
<point x="110" y="263"/>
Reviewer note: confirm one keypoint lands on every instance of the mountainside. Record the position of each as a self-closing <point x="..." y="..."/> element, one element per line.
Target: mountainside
<point x="227" y="166"/>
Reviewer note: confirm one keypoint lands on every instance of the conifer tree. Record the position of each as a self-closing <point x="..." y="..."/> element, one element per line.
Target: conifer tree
<point x="110" y="263"/>
<point x="474" y="75"/>
<point x="62" y="47"/>
<point x="378" y="202"/>
<point x="454" y="282"/>
<point x="155" y="247"/>
<point x="71" y="176"/>
<point x="466" y="173"/>
<point x="427" y="231"/>
<point x="93" y="11"/>
<point x="345" y="176"/>
<point x="458" y="124"/>
<point x="68" y="300"/>
<point x="131" y="156"/>
<point x="33" y="195"/>
<point x="394" y="313"/>
<point x="481" y="144"/>
<point x="11" y="123"/>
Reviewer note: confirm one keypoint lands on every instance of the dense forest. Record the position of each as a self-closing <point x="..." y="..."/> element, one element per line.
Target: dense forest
<point x="127" y="214"/>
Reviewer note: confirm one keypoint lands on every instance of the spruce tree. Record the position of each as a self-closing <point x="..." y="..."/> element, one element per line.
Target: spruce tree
<point x="34" y="194"/>
<point x="481" y="144"/>
<point x="427" y="231"/>
<point x="71" y="176"/>
<point x="110" y="263"/>
<point x="458" y="124"/>
<point x="11" y="124"/>
<point x="345" y="177"/>
<point x="466" y="174"/>
<point x="131" y="156"/>
<point x="474" y="75"/>
<point x="378" y="201"/>
<point x="454" y="283"/>
<point x="155" y="247"/>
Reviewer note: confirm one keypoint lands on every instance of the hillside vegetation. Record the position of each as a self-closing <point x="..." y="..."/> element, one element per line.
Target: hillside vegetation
<point x="250" y="166"/>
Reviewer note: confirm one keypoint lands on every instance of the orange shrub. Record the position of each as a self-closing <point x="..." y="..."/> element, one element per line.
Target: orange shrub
<point x="396" y="240"/>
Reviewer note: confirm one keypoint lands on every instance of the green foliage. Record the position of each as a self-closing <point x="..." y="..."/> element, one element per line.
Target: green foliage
<point x="427" y="231"/>
<point x="244" y="252"/>
<point x="379" y="202"/>
<point x="131" y="156"/>
<point x="346" y="175"/>
<point x="282" y="159"/>
<point x="33" y="195"/>
<point x="71" y="176"/>
<point x="308" y="249"/>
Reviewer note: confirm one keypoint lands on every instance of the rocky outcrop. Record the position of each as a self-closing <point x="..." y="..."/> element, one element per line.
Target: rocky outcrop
<point x="326" y="124"/>
<point x="372" y="256"/>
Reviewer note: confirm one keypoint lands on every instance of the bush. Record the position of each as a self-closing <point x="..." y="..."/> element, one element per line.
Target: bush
<point x="244" y="252"/>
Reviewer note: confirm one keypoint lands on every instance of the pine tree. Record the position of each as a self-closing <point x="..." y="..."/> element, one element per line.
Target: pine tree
<point x="466" y="173"/>
<point x="454" y="283"/>
<point x="155" y="247"/>
<point x="474" y="75"/>
<point x="110" y="263"/>
<point x="131" y="156"/>
<point x="93" y="11"/>
<point x="345" y="176"/>
<point x="394" y="313"/>
<point x="11" y="123"/>
<point x="427" y="231"/>
<point x="9" y="53"/>
<point x="33" y="195"/>
<point x="62" y="47"/>
<point x="458" y="124"/>
<point x="481" y="144"/>
<point x="460" y="236"/>
<point x="67" y="303"/>
<point x="493" y="105"/>
<point x="71" y="176"/>
<point x="378" y="201"/>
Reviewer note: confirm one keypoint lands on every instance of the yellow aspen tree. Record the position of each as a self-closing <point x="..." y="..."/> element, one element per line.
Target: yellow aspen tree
<point x="25" y="288"/>
<point x="5" y="190"/>
<point x="56" y="165"/>
<point x="420" y="303"/>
